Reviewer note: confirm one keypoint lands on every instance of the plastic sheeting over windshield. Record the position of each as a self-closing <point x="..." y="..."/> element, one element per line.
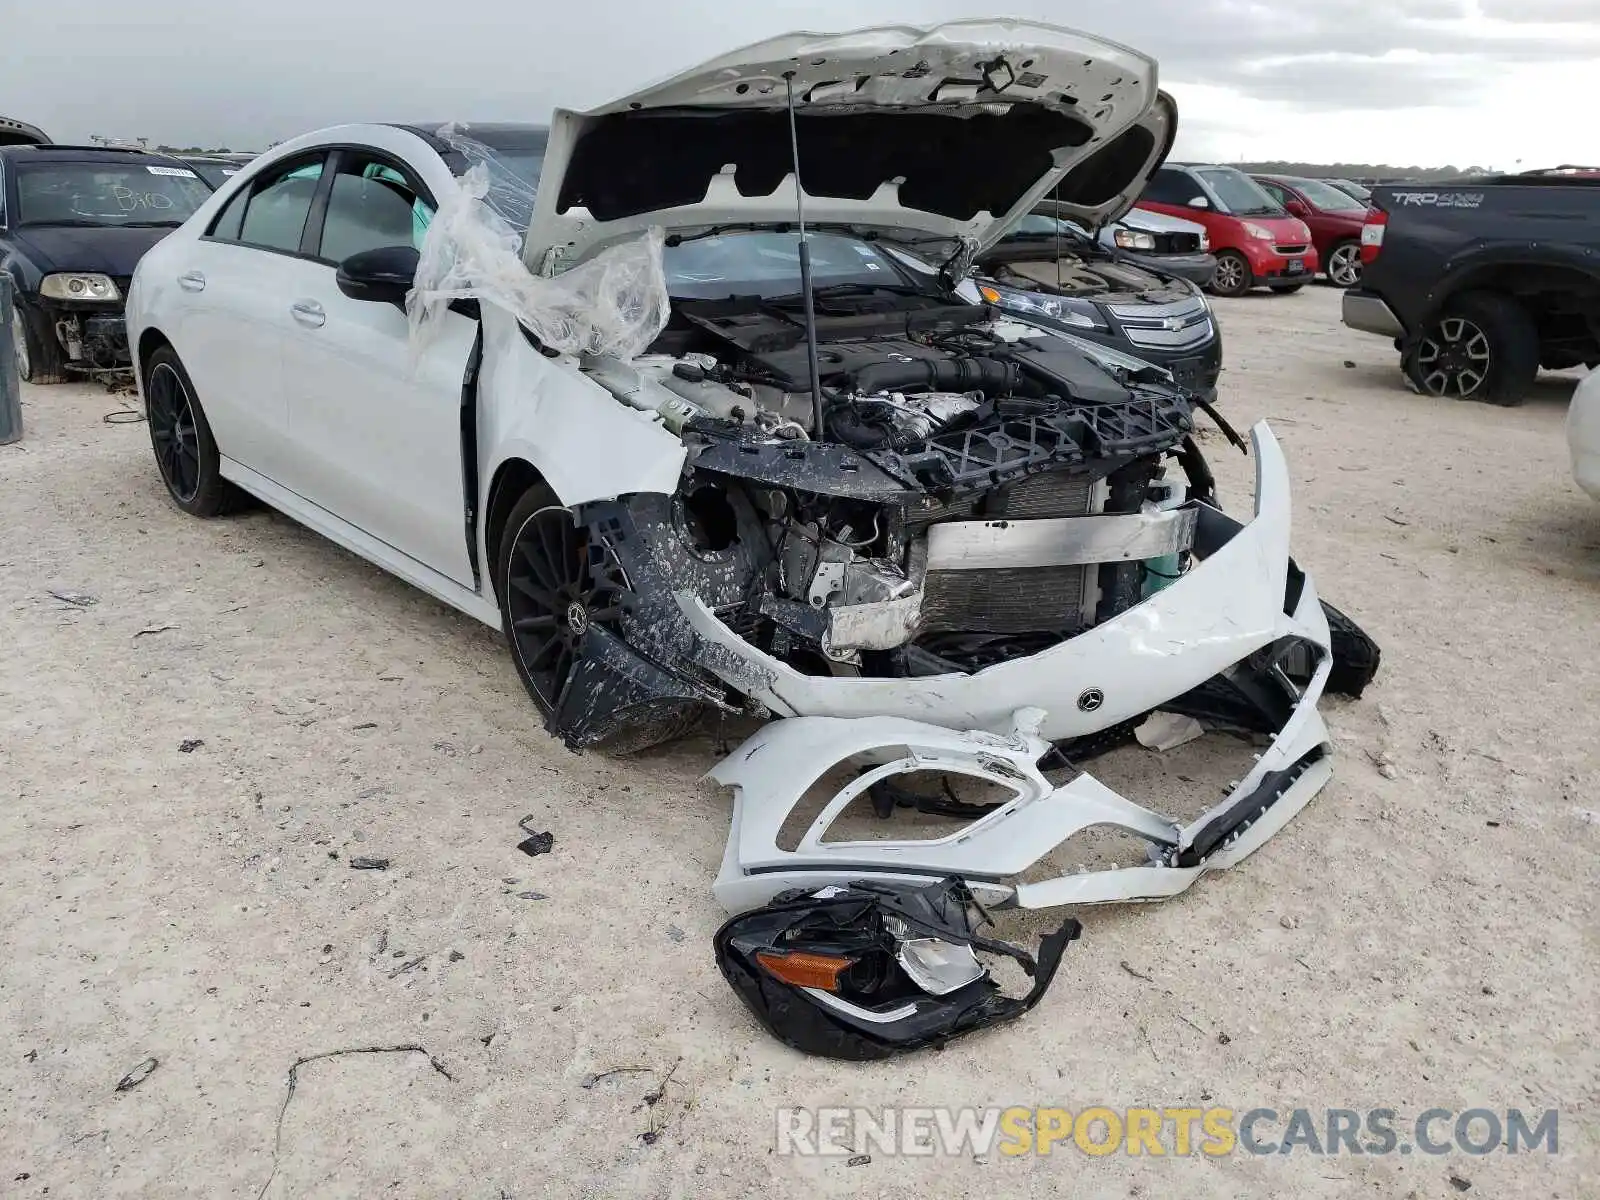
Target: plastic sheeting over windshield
<point x="614" y="304"/>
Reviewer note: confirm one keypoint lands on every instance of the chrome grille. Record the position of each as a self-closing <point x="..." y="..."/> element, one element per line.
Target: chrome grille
<point x="1178" y="326"/>
<point x="1293" y="249"/>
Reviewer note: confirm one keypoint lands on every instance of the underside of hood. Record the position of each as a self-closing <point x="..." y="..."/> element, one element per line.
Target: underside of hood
<point x="948" y="134"/>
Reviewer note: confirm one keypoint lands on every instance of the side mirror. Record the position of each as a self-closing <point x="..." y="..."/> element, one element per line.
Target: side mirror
<point x="1199" y="202"/>
<point x="1298" y="208"/>
<point x="383" y="276"/>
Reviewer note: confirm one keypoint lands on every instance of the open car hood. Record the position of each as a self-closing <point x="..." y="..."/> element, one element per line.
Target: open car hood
<point x="946" y="135"/>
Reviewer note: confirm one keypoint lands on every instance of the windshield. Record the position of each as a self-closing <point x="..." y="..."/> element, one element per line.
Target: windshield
<point x="1327" y="197"/>
<point x="1036" y="225"/>
<point x="108" y="193"/>
<point x="767" y="264"/>
<point x="1239" y="194"/>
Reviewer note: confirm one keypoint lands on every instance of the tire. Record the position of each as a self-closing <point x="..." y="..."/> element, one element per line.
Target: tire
<point x="1482" y="346"/>
<point x="1355" y="655"/>
<point x="180" y="437"/>
<point x="543" y="577"/>
<point x="1233" y="276"/>
<point x="39" y="357"/>
<point x="1344" y="263"/>
<point x="1286" y="289"/>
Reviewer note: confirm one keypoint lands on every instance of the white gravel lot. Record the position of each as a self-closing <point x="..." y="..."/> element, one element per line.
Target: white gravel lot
<point x="1427" y="940"/>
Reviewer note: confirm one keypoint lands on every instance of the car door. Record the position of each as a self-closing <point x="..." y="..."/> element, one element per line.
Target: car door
<point x="376" y="430"/>
<point x="230" y="314"/>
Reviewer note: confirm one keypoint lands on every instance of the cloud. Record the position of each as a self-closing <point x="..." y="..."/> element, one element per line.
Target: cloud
<point x="198" y="72"/>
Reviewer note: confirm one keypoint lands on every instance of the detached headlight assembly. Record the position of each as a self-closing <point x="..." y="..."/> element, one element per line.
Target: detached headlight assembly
<point x="1260" y="232"/>
<point x="871" y="970"/>
<point x="79" y="287"/>
<point x="1079" y="314"/>
<point x="1133" y="239"/>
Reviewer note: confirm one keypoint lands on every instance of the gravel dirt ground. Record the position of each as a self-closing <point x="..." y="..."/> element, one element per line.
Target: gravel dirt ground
<point x="191" y="764"/>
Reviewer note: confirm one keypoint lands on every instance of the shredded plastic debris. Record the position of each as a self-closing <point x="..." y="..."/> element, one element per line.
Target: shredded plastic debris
<point x="613" y="304"/>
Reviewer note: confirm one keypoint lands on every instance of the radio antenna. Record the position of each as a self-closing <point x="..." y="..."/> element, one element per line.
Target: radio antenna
<point x="805" y="267"/>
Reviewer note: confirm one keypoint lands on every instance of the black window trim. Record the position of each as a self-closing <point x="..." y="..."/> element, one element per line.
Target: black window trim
<point x="332" y="156"/>
<point x="311" y="246"/>
<point x="255" y="185"/>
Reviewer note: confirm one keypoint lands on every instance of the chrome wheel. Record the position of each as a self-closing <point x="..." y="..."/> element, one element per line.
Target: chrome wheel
<point x="19" y="336"/>
<point x="1453" y="359"/>
<point x="1232" y="275"/>
<point x="1344" y="265"/>
<point x="556" y="590"/>
<point x="170" y="411"/>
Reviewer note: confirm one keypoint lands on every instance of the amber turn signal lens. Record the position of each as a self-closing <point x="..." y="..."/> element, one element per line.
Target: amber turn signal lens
<point x="989" y="294"/>
<point x="820" y="971"/>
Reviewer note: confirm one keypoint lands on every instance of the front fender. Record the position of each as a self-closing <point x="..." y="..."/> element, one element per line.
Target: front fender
<point x="587" y="444"/>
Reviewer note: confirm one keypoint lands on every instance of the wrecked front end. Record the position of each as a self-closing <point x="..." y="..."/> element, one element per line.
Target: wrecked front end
<point x="982" y="495"/>
<point x="90" y="334"/>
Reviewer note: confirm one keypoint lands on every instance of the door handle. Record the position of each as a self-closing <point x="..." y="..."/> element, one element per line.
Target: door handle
<point x="308" y="312"/>
<point x="192" y="281"/>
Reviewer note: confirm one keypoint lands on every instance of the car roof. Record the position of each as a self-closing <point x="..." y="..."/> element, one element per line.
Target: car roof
<point x="21" y="154"/>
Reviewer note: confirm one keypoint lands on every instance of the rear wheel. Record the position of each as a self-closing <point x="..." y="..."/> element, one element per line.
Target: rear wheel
<point x="1483" y="346"/>
<point x="39" y="358"/>
<point x="1344" y="264"/>
<point x="186" y="453"/>
<point x="1233" y="276"/>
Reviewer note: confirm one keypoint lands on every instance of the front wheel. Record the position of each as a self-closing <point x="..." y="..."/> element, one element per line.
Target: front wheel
<point x="39" y="358"/>
<point x="1344" y="264"/>
<point x="554" y="585"/>
<point x="186" y="453"/>
<point x="1233" y="276"/>
<point x="1483" y="346"/>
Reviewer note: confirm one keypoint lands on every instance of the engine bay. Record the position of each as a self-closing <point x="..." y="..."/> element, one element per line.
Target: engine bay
<point x="959" y="509"/>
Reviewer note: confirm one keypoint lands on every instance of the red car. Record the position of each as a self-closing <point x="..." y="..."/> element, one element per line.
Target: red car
<point x="1256" y="242"/>
<point x="1335" y="220"/>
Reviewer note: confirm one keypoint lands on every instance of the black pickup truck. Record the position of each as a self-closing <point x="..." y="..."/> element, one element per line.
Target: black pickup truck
<point x="1482" y="282"/>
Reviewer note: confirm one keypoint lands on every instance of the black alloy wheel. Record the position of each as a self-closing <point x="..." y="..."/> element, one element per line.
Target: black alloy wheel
<point x="1483" y="346"/>
<point x="1453" y="358"/>
<point x="186" y="453"/>
<point x="553" y="594"/>
<point x="174" y="432"/>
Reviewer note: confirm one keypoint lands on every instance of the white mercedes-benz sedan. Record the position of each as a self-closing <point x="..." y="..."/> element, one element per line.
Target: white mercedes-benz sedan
<point x="690" y="460"/>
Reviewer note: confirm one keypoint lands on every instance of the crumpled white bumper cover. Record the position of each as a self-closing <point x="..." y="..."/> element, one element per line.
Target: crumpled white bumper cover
<point x="1230" y="605"/>
<point x="1227" y="607"/>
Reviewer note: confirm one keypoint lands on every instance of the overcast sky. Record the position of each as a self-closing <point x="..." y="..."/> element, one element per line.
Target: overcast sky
<point x="1415" y="82"/>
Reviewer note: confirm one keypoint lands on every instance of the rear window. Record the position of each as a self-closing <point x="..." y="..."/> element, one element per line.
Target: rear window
<point x="107" y="193"/>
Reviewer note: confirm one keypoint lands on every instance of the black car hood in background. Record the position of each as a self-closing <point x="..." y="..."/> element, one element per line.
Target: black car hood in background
<point x="106" y="249"/>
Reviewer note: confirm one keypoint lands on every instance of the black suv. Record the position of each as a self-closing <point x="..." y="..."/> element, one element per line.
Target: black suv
<point x="74" y="221"/>
<point x="1482" y="282"/>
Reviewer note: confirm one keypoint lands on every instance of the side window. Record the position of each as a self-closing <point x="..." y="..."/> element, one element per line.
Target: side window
<point x="372" y="205"/>
<point x="1273" y="190"/>
<point x="272" y="212"/>
<point x="232" y="219"/>
<point x="1172" y="187"/>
